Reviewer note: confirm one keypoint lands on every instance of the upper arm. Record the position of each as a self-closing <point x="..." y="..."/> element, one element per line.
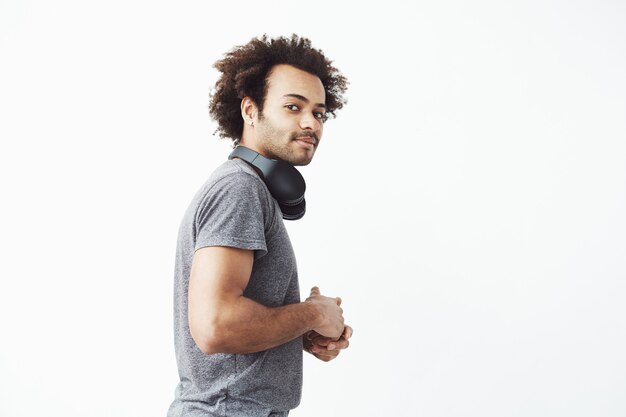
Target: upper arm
<point x="219" y="275"/>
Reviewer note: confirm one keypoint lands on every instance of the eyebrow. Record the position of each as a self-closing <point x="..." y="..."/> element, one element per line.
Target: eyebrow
<point x="306" y="100"/>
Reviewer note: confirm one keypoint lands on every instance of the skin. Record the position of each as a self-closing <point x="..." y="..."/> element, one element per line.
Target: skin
<point x="293" y="108"/>
<point x="221" y="319"/>
<point x="326" y="348"/>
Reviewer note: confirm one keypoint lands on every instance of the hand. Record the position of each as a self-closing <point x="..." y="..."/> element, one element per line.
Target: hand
<point x="330" y="312"/>
<point x="326" y="348"/>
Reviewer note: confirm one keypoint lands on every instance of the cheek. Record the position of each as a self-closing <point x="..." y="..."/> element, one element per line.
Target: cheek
<point x="283" y="124"/>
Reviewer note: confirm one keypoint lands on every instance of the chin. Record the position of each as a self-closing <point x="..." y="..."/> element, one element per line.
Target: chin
<point x="297" y="160"/>
<point x="301" y="161"/>
<point x="301" y="164"/>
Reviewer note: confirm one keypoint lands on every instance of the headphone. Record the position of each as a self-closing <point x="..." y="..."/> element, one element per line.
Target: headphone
<point x="283" y="181"/>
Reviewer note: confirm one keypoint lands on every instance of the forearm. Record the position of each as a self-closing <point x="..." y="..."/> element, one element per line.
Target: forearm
<point x="245" y="326"/>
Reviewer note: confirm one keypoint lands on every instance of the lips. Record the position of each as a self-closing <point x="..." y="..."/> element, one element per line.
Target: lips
<point x="307" y="139"/>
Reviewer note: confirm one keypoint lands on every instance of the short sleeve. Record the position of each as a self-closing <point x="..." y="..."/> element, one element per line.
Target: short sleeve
<point x="232" y="213"/>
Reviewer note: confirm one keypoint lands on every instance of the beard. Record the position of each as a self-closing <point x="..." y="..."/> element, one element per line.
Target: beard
<point x="281" y="144"/>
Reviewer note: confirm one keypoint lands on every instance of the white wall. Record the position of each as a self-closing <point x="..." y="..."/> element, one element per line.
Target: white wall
<point x="468" y="203"/>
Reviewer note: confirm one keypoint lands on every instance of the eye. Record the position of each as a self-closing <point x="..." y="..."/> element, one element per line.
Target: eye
<point x="320" y="116"/>
<point x="292" y="107"/>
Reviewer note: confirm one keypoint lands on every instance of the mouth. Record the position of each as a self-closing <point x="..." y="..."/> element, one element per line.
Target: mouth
<point x="307" y="140"/>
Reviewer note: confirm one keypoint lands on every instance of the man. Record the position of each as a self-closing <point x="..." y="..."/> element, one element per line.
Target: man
<point x="240" y="327"/>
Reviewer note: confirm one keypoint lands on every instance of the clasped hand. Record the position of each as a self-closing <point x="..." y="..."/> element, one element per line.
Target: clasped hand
<point x="326" y="348"/>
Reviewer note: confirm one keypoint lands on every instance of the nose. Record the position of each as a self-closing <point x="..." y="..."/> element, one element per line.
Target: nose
<point x="309" y="121"/>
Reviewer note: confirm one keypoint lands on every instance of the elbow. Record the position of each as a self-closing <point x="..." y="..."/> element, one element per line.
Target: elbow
<point x="207" y="344"/>
<point x="207" y="338"/>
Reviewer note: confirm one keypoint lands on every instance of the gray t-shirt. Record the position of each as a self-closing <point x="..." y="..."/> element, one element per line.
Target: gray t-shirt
<point x="234" y="208"/>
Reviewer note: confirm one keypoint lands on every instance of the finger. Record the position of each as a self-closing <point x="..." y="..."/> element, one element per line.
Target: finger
<point x="311" y="335"/>
<point x="326" y="356"/>
<point x="315" y="291"/>
<point x="320" y="350"/>
<point x="338" y="300"/>
<point x="347" y="332"/>
<point x="323" y="358"/>
<point x="338" y="345"/>
<point x="322" y="341"/>
<point x="321" y="345"/>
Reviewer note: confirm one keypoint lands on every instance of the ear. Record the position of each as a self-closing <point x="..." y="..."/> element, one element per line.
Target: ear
<point x="249" y="110"/>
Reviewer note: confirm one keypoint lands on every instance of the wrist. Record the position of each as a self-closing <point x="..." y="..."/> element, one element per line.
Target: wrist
<point x="315" y="316"/>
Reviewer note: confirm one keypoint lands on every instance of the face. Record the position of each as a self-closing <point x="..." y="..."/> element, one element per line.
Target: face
<point x="291" y="124"/>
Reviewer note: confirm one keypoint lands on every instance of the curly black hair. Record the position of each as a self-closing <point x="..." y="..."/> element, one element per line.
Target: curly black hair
<point x="245" y="71"/>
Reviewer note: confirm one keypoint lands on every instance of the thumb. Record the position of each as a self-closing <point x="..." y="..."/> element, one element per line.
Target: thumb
<point x="315" y="291"/>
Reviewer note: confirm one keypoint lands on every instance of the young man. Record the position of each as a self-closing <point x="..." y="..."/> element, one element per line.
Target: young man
<point x="240" y="327"/>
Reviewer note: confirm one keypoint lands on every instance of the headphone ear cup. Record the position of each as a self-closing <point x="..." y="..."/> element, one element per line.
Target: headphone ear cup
<point x="293" y="212"/>
<point x="282" y="179"/>
<point x="285" y="183"/>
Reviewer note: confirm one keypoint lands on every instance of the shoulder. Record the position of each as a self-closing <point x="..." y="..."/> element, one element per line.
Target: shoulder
<point x="235" y="184"/>
<point x="235" y="176"/>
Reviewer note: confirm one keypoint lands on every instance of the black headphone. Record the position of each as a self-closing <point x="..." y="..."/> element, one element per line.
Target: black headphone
<point x="284" y="181"/>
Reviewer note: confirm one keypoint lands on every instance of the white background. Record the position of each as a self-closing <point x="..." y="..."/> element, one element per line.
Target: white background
<point x="467" y="204"/>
